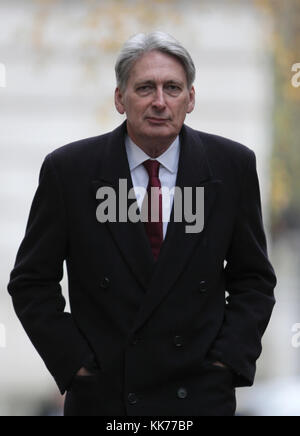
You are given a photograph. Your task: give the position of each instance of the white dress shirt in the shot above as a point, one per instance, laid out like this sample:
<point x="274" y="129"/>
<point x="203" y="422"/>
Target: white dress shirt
<point x="167" y="174"/>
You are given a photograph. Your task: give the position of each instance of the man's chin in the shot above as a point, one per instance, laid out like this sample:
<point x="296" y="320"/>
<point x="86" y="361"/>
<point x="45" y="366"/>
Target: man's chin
<point x="159" y="131"/>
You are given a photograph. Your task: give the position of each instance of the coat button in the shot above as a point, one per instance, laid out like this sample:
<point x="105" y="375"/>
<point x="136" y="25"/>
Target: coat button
<point x="182" y="393"/>
<point x="178" y="341"/>
<point x="132" y="398"/>
<point x="202" y="286"/>
<point x="135" y="341"/>
<point x="104" y="283"/>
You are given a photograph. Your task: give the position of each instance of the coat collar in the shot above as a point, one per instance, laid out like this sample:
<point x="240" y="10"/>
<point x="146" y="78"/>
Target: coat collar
<point x="130" y="237"/>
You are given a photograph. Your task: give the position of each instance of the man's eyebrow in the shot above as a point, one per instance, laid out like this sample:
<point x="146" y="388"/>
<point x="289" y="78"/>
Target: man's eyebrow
<point x="152" y="82"/>
<point x="145" y="82"/>
<point x="175" y="82"/>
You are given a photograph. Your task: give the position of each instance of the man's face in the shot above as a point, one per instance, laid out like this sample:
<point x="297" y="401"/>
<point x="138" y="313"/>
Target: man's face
<point x="156" y="99"/>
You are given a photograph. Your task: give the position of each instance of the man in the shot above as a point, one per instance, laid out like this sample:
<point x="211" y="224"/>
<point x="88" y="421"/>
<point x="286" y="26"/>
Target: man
<point x="150" y="331"/>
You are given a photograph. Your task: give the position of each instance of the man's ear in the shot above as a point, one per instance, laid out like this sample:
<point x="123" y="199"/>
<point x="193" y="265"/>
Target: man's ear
<point x="119" y="101"/>
<point x="191" y="104"/>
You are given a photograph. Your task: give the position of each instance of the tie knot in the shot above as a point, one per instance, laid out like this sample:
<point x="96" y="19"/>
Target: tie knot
<point x="152" y="166"/>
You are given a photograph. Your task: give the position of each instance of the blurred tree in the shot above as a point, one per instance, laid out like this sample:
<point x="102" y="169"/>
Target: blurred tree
<point x="285" y="43"/>
<point x="105" y="24"/>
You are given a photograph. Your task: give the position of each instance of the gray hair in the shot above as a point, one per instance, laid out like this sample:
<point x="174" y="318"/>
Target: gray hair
<point x="140" y="44"/>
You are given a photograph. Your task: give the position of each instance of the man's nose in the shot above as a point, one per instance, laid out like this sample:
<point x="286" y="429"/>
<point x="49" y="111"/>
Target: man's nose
<point x="159" y="99"/>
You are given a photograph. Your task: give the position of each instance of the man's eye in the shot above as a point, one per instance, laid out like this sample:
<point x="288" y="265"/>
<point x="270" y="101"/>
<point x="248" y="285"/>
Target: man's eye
<point x="173" y="87"/>
<point x="144" y="88"/>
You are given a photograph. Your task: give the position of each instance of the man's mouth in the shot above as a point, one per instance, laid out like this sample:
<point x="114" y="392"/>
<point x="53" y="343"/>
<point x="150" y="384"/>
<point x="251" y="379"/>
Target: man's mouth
<point x="156" y="120"/>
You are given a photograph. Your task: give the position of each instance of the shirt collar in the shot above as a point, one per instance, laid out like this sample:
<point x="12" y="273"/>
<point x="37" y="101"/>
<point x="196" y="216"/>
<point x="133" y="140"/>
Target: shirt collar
<point x="136" y="156"/>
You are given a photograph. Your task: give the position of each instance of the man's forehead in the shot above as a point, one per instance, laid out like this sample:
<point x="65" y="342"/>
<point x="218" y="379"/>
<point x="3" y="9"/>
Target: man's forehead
<point x="154" y="65"/>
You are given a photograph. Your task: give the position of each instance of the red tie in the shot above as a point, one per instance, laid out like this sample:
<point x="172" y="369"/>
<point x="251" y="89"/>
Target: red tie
<point x="154" y="228"/>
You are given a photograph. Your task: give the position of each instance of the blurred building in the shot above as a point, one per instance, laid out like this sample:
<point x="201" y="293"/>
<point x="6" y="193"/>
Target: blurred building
<point x="59" y="59"/>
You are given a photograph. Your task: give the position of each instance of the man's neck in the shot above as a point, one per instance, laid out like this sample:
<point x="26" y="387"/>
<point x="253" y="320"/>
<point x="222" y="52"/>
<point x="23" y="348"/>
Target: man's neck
<point x="153" y="147"/>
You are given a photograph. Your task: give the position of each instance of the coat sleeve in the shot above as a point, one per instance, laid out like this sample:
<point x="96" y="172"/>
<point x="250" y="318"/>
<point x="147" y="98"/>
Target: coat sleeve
<point x="35" y="282"/>
<point x="250" y="282"/>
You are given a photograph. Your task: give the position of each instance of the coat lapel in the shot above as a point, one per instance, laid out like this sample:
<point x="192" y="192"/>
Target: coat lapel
<point x="157" y="278"/>
<point x="130" y="237"/>
<point x="178" y="246"/>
